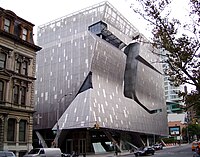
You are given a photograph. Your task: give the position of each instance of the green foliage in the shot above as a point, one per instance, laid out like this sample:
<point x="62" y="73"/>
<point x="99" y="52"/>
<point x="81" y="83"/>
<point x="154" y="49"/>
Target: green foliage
<point x="194" y="129"/>
<point x="169" y="140"/>
<point x="180" y="42"/>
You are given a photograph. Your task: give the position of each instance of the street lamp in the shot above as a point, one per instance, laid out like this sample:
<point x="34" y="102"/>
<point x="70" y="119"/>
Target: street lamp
<point x="57" y="118"/>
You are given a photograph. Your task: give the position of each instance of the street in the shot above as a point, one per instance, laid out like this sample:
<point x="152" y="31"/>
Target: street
<point x="177" y="151"/>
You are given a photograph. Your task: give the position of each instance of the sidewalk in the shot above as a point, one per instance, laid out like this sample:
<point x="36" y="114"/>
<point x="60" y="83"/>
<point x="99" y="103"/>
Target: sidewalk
<point x="108" y="154"/>
<point x="175" y="145"/>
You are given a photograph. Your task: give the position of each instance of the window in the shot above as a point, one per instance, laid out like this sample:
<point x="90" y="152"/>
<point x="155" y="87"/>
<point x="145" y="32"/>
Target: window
<point x="18" y="67"/>
<point x="1" y="90"/>
<point x="7" y="25"/>
<point x="24" y="34"/>
<point x="174" y="96"/>
<point x="16" y="94"/>
<point x="98" y="27"/>
<point x="22" y="130"/>
<point x="2" y="60"/>
<point x="165" y="83"/>
<point x="25" y="68"/>
<point x="11" y="129"/>
<point x="23" y="95"/>
<point x="175" y="106"/>
<point x="21" y="64"/>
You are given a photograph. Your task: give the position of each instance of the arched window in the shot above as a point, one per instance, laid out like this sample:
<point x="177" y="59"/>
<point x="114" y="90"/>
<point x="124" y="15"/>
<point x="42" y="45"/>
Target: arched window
<point x="22" y="130"/>
<point x="11" y="129"/>
<point x="1" y="90"/>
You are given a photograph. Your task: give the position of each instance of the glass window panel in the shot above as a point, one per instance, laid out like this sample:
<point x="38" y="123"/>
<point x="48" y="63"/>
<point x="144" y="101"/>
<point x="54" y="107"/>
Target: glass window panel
<point x="1" y="90"/>
<point x="22" y="130"/>
<point x="23" y="95"/>
<point x="7" y="25"/>
<point x="25" y="68"/>
<point x="24" y="34"/>
<point x="18" y="67"/>
<point x="16" y="94"/>
<point x="11" y="130"/>
<point x="2" y="60"/>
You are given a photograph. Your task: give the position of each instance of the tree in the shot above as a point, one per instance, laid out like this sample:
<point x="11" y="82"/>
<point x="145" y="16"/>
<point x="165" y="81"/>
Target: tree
<point x="179" y="40"/>
<point x="194" y="129"/>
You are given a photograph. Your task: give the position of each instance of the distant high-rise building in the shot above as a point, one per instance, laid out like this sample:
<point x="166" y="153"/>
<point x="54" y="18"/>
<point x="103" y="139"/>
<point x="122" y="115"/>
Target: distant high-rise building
<point x="173" y="100"/>
<point x="171" y="92"/>
<point x="17" y="77"/>
<point x="97" y="84"/>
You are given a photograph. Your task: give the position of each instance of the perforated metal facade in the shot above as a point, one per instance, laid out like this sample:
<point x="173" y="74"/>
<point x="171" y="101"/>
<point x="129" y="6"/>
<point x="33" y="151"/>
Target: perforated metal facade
<point x="116" y="87"/>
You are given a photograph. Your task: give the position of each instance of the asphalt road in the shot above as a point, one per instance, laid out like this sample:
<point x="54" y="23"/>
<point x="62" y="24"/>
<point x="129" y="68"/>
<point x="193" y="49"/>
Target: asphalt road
<point x="177" y="151"/>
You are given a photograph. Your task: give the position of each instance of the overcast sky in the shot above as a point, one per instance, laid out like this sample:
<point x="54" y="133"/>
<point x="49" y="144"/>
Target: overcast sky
<point x="40" y="12"/>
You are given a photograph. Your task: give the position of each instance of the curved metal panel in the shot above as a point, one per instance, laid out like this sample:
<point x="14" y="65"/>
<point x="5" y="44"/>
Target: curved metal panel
<point x="70" y="53"/>
<point x="106" y="102"/>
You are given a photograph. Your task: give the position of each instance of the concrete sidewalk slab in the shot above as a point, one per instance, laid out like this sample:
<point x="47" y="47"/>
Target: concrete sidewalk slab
<point x="108" y="154"/>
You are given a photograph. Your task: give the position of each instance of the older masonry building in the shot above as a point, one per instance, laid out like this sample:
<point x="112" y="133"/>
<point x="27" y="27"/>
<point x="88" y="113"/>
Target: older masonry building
<point x="17" y="77"/>
<point x="97" y="84"/>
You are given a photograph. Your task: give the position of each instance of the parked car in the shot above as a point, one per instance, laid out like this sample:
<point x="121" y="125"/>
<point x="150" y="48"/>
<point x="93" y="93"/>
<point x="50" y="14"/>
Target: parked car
<point x="158" y="146"/>
<point x="47" y="152"/>
<point x="144" y="151"/>
<point x="65" y="155"/>
<point x="74" y="154"/>
<point x="7" y="153"/>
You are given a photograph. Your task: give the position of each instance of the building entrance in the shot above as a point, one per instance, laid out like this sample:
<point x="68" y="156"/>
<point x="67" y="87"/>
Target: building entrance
<point x="69" y="146"/>
<point x="78" y="146"/>
<point x="82" y="146"/>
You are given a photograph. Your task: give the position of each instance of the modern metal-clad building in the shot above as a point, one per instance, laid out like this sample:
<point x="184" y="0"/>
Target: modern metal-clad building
<point x="97" y="82"/>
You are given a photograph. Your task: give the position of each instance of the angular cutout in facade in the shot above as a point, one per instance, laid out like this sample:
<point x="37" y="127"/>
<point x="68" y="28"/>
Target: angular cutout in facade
<point x="87" y="84"/>
<point x="100" y="29"/>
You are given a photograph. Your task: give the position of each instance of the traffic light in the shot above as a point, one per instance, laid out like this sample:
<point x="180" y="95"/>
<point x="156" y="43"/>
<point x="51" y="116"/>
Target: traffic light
<point x="96" y="126"/>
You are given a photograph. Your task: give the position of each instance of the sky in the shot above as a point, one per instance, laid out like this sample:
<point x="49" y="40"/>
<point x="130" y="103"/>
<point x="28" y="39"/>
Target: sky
<point x="40" y="12"/>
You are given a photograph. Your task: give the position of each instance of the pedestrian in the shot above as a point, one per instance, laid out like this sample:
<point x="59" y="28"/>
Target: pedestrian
<point x="115" y="149"/>
<point x="116" y="152"/>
